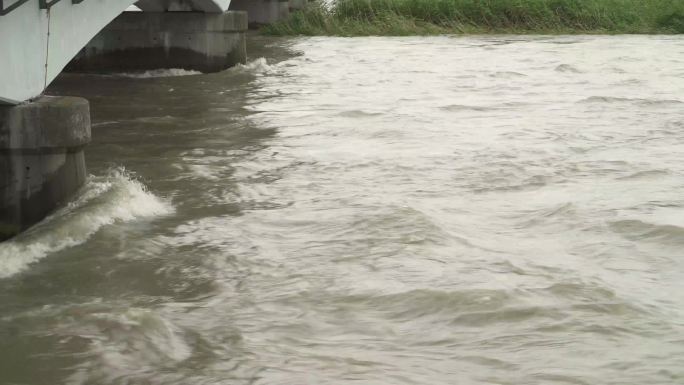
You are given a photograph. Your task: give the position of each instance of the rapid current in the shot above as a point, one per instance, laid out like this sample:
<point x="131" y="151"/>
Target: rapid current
<point x="385" y="211"/>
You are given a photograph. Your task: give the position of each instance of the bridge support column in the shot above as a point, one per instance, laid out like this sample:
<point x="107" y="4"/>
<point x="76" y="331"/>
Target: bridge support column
<point x="41" y="159"/>
<point x="135" y="41"/>
<point x="264" y="11"/>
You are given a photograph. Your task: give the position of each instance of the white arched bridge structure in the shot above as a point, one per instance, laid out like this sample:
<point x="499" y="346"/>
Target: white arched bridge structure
<point x="38" y="38"/>
<point x="42" y="138"/>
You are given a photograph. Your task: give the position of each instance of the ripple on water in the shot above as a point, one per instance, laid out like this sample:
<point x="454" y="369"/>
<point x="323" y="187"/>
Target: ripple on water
<point x="416" y="304"/>
<point x="359" y="114"/>
<point x="637" y="101"/>
<point x="507" y="75"/>
<point x="647" y="174"/>
<point x="130" y="343"/>
<point x="461" y="107"/>
<point x="638" y="230"/>
<point x="567" y="68"/>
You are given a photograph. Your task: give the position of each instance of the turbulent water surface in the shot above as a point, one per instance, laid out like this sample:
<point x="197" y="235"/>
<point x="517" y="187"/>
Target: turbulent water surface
<point x="444" y="210"/>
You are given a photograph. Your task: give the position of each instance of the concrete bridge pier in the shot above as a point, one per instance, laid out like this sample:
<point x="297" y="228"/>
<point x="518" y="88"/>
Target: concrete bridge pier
<point x="263" y="11"/>
<point x="134" y="41"/>
<point x="41" y="158"/>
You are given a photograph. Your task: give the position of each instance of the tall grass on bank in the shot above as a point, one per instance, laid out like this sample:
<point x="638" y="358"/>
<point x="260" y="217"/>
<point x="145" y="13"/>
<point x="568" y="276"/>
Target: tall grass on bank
<point x="424" y="17"/>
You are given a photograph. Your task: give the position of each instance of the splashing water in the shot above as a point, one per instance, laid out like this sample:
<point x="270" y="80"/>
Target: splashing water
<point x="259" y="65"/>
<point x="115" y="197"/>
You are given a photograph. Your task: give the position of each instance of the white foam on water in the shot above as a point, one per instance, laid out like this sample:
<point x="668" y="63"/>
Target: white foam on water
<point x="158" y="73"/>
<point x="132" y="342"/>
<point x="137" y="337"/>
<point x="116" y="197"/>
<point x="257" y="66"/>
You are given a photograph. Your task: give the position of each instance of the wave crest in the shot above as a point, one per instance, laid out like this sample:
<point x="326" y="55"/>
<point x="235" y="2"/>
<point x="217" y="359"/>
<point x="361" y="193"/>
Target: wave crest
<point x="116" y="197"/>
<point x="638" y="101"/>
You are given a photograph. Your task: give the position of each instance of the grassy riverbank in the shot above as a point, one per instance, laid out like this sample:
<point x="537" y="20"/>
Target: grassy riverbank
<point x="425" y="17"/>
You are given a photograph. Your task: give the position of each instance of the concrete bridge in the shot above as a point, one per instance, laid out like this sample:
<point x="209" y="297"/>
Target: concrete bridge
<point x="42" y="138"/>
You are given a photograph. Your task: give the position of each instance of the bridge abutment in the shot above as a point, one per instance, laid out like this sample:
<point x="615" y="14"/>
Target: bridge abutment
<point x="136" y="41"/>
<point x="41" y="159"/>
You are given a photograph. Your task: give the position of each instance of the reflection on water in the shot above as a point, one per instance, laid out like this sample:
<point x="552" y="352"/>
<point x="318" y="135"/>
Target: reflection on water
<point x="482" y="210"/>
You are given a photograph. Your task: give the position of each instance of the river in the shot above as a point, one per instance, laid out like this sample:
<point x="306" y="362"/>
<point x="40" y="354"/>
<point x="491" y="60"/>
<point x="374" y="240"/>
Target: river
<point x="415" y="210"/>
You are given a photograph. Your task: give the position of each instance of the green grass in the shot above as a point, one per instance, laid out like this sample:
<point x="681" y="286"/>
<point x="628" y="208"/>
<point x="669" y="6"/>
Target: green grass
<point x="426" y="17"/>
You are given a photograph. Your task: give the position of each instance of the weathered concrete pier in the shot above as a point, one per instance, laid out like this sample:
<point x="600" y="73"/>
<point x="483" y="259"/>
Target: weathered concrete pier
<point x="207" y="42"/>
<point x="41" y="158"/>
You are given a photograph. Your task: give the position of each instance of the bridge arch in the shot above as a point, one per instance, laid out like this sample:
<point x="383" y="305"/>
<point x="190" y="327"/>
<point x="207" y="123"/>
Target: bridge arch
<point x="38" y="38"/>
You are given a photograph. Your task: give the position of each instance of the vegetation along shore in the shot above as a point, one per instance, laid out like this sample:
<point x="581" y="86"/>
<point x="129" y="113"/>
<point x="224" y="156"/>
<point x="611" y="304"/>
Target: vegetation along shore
<point x="427" y="17"/>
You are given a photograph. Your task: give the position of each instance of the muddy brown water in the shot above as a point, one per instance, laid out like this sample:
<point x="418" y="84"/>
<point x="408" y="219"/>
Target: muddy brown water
<point x="420" y="210"/>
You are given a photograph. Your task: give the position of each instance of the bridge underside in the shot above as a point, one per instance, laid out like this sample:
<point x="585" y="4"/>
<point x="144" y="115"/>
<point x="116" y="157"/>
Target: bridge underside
<point x="212" y="6"/>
